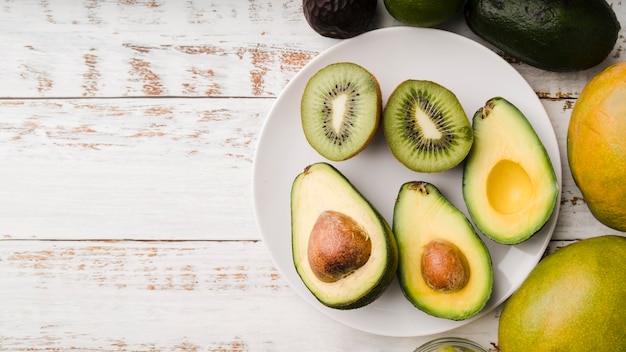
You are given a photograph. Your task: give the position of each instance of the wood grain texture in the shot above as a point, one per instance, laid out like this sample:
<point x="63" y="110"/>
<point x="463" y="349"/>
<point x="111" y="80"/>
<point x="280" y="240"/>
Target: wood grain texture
<point x="128" y="168"/>
<point x="167" y="168"/>
<point x="188" y="48"/>
<point x="171" y="296"/>
<point x="127" y="138"/>
<point x="166" y="296"/>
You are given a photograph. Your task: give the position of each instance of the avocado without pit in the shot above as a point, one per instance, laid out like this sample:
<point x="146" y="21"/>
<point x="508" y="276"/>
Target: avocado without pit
<point x="343" y="249"/>
<point x="509" y="184"/>
<point x="555" y="35"/>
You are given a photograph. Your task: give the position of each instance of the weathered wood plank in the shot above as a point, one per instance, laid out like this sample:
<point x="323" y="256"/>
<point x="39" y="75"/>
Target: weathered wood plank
<point x="168" y="296"/>
<point x="134" y="168"/>
<point x="192" y="48"/>
<point x="153" y="168"/>
<point x="146" y="64"/>
<point x="131" y="15"/>
<point x="86" y="156"/>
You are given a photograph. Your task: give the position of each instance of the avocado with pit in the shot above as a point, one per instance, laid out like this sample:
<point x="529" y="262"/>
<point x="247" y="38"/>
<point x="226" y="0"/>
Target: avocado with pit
<point x="556" y="35"/>
<point x="343" y="249"/>
<point x="445" y="268"/>
<point x="509" y="184"/>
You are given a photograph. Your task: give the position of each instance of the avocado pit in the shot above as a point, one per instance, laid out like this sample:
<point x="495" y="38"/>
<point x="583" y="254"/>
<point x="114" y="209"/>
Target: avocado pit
<point x="444" y="266"/>
<point x="337" y="246"/>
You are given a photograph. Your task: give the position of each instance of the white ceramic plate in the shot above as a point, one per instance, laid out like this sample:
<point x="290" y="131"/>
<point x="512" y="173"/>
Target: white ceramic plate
<point x="475" y="74"/>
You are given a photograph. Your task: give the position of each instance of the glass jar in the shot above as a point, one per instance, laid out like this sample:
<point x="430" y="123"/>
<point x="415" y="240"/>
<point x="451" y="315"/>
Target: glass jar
<point x="453" y="344"/>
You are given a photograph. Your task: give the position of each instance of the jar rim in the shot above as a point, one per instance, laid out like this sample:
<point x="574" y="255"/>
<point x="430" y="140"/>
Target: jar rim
<point x="454" y="341"/>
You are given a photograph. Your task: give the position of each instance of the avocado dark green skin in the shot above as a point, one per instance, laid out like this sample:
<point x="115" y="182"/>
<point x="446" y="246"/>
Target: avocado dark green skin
<point x="339" y="18"/>
<point x="554" y="35"/>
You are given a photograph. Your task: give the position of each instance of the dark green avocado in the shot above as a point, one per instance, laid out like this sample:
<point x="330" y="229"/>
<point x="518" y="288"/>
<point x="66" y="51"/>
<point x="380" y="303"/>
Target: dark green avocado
<point x="555" y="35"/>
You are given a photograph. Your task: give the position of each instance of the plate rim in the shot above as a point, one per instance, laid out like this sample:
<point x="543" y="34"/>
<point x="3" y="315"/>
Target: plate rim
<point x="556" y="163"/>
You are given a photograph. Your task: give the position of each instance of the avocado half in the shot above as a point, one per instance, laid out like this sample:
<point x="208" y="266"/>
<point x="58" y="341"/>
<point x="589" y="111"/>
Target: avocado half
<point x="343" y="249"/>
<point x="445" y="268"/>
<point x="509" y="185"/>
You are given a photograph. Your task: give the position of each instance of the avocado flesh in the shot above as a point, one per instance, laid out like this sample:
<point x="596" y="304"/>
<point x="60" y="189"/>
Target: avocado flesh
<point x="509" y="184"/>
<point x="322" y="188"/>
<point x="422" y="215"/>
<point x="558" y="35"/>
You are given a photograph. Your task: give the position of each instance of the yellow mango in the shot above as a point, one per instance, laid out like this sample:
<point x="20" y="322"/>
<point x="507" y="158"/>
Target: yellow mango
<point x="574" y="300"/>
<point x="596" y="145"/>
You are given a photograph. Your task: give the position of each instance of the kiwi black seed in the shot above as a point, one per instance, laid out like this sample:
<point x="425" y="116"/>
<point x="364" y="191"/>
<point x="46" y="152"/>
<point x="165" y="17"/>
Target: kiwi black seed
<point x="426" y="127"/>
<point x="341" y="108"/>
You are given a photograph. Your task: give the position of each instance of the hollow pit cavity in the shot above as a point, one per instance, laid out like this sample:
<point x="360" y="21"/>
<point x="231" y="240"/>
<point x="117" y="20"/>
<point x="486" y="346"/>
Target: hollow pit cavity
<point x="509" y="188"/>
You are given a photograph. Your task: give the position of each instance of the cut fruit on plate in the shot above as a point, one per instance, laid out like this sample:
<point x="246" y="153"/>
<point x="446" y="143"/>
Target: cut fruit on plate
<point x="340" y="110"/>
<point x="426" y="127"/>
<point x="283" y="152"/>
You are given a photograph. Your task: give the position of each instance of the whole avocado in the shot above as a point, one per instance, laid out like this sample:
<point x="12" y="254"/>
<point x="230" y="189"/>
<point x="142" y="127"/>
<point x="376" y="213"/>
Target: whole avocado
<point x="555" y="35"/>
<point x="339" y="18"/>
<point x="574" y="300"/>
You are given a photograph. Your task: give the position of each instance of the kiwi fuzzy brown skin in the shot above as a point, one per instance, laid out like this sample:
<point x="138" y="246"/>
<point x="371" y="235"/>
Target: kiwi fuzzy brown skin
<point x="426" y="127"/>
<point x="341" y="109"/>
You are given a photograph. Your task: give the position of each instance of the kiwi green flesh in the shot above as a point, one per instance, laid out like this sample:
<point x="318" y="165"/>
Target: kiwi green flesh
<point x="426" y="126"/>
<point x="340" y="110"/>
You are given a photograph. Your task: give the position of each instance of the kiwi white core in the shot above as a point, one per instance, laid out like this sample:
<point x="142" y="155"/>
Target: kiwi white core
<point x="339" y="110"/>
<point x="429" y="129"/>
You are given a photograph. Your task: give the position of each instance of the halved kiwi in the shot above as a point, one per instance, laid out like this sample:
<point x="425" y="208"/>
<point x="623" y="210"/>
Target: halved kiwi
<point x="426" y="127"/>
<point x="340" y="109"/>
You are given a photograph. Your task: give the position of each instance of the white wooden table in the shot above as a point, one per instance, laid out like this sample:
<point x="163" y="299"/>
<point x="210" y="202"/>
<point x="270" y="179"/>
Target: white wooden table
<point x="127" y="138"/>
